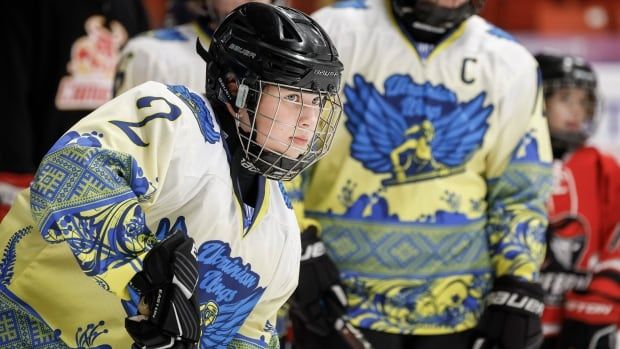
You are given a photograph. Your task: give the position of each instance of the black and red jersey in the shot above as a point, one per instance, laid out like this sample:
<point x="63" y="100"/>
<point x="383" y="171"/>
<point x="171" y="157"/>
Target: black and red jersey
<point x="583" y="242"/>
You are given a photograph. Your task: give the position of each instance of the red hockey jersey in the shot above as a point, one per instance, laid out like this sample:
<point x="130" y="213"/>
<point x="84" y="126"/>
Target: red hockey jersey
<point x="583" y="242"/>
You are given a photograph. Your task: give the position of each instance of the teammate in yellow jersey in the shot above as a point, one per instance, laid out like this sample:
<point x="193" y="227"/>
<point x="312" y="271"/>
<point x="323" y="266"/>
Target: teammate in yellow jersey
<point x="432" y="201"/>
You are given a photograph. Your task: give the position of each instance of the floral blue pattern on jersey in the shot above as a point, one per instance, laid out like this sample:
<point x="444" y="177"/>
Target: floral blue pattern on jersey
<point x="20" y="325"/>
<point x="200" y="110"/>
<point x="21" y="329"/>
<point x="228" y="291"/>
<point x="17" y="319"/>
<point x="414" y="131"/>
<point x="168" y="34"/>
<point x="86" y="337"/>
<point x="8" y="256"/>
<point x="89" y="197"/>
<point x="524" y="187"/>
<point x="375" y="207"/>
<point x="164" y="229"/>
<point x="448" y="305"/>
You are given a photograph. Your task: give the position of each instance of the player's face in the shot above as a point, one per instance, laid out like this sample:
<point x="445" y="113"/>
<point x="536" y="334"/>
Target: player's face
<point x="568" y="108"/>
<point x="223" y="7"/>
<point x="286" y="120"/>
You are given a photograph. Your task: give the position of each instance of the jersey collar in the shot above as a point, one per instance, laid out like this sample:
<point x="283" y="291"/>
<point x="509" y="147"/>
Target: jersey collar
<point x="448" y="39"/>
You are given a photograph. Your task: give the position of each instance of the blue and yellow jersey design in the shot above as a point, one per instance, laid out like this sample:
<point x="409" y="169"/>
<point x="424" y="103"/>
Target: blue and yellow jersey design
<point x="147" y="163"/>
<point x="437" y="180"/>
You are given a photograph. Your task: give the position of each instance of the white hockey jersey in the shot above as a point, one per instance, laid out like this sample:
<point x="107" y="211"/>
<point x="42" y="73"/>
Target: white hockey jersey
<point x="438" y="178"/>
<point x="164" y="55"/>
<point x="146" y="163"/>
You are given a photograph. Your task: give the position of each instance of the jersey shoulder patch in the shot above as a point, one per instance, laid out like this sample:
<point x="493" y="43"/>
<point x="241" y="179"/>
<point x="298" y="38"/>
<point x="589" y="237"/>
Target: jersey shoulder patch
<point x="199" y="107"/>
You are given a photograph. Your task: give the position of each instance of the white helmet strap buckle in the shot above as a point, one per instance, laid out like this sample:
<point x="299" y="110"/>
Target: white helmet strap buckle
<point x="242" y="95"/>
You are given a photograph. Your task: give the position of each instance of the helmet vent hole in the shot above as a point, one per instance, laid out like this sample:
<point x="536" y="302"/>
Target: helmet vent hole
<point x="289" y="32"/>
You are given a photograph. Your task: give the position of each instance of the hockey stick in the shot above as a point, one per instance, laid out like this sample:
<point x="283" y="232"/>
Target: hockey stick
<point x="354" y="338"/>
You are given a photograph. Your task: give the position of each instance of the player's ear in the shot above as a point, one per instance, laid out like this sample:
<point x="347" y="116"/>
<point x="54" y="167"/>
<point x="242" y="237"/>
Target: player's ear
<point x="232" y="83"/>
<point x="233" y="88"/>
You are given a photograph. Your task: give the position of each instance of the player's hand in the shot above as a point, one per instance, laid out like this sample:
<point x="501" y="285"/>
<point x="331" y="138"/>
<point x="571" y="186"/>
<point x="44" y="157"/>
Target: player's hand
<point x="511" y="319"/>
<point x="169" y="313"/>
<point x="319" y="300"/>
<point x="589" y="322"/>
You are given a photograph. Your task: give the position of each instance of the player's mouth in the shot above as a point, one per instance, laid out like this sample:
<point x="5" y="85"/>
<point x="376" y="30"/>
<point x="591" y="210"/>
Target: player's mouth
<point x="301" y="141"/>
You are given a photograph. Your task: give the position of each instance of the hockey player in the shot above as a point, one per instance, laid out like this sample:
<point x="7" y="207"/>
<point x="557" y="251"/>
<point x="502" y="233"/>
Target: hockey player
<point x="169" y="55"/>
<point x="98" y="252"/>
<point x="581" y="273"/>
<point x="432" y="202"/>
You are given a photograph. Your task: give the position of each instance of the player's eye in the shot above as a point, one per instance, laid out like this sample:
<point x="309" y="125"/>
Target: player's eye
<point x="293" y="97"/>
<point x="317" y="100"/>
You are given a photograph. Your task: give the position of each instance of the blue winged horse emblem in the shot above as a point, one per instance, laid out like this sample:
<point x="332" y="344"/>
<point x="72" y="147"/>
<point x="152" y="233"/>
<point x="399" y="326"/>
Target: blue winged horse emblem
<point x="414" y="131"/>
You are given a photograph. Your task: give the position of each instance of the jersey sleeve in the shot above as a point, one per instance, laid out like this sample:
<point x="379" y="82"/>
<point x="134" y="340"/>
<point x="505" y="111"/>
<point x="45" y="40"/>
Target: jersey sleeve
<point x="519" y="177"/>
<point x="606" y="276"/>
<point x="138" y="64"/>
<point x="94" y="186"/>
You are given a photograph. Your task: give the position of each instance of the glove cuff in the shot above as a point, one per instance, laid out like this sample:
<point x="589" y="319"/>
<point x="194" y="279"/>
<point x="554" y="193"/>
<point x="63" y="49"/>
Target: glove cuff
<point x="591" y="308"/>
<point x="311" y="245"/>
<point x="517" y="296"/>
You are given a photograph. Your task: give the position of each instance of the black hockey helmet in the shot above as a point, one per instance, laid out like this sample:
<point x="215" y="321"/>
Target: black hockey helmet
<point x="429" y="21"/>
<point x="262" y="44"/>
<point x="275" y="44"/>
<point x="565" y="71"/>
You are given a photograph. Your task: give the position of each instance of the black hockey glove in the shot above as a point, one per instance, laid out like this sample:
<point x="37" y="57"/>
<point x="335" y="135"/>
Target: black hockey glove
<point x="319" y="300"/>
<point x="170" y="316"/>
<point x="511" y="319"/>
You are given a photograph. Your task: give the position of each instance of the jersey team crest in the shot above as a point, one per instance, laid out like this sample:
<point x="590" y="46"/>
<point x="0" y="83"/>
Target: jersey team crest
<point x="414" y="131"/>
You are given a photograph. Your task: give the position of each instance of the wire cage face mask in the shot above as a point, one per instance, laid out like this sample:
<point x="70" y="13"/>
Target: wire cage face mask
<point x="285" y="129"/>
